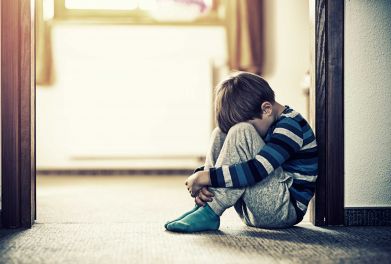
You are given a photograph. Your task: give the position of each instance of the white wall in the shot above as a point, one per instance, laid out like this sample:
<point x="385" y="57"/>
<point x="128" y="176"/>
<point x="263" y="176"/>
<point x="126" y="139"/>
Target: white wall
<point x="367" y="103"/>
<point x="68" y="129"/>
<point x="287" y="50"/>
<point x="127" y="91"/>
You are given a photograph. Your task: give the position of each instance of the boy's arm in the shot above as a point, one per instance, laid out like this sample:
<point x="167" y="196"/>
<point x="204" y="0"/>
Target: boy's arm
<point x="286" y="139"/>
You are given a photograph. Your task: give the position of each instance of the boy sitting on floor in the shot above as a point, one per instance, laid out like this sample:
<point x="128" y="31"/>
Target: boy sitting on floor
<point x="262" y="160"/>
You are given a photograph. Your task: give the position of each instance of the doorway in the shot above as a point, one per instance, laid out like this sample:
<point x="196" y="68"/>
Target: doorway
<point x="320" y="16"/>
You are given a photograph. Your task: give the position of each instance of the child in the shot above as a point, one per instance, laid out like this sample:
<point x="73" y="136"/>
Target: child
<point x="262" y="160"/>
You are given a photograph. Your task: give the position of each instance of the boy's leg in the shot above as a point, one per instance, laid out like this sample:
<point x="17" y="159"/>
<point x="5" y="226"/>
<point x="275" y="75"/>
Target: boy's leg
<point x="216" y="143"/>
<point x="267" y="204"/>
<point x="241" y="144"/>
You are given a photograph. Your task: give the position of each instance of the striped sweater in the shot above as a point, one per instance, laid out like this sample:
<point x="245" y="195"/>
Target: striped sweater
<point x="289" y="143"/>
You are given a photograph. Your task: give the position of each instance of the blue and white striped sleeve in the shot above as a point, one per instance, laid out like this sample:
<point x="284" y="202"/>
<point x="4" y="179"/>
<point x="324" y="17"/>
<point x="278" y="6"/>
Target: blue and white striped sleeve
<point x="286" y="139"/>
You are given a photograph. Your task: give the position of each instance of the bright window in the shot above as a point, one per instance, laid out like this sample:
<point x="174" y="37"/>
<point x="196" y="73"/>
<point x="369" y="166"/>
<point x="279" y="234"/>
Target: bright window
<point x="201" y="5"/>
<point x="102" y="4"/>
<point x="154" y="10"/>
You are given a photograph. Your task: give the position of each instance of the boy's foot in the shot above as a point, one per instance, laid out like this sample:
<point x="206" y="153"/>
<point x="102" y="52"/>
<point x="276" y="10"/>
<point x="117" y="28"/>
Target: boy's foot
<point x="203" y="219"/>
<point x="182" y="216"/>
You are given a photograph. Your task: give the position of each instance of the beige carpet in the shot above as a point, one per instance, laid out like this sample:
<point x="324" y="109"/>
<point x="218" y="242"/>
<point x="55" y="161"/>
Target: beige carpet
<point x="120" y="220"/>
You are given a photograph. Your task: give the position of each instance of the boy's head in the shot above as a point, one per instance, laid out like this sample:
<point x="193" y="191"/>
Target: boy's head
<point x="241" y="98"/>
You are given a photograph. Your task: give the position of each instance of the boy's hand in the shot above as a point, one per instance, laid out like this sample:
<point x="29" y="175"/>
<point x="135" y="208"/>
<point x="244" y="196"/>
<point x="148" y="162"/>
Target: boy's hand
<point x="204" y="196"/>
<point x="196" y="181"/>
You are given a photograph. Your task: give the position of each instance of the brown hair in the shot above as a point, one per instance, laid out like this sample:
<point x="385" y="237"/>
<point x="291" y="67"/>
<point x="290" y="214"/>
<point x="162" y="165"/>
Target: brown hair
<point x="239" y="99"/>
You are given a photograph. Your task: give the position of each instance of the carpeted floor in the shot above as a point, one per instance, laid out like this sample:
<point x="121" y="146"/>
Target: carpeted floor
<point x="120" y="220"/>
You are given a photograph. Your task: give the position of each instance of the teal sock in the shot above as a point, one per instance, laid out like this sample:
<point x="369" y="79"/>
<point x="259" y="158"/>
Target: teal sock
<point x="182" y="216"/>
<point x="203" y="219"/>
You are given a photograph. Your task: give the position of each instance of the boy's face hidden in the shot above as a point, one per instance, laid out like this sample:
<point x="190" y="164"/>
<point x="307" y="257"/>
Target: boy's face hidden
<point x="268" y="117"/>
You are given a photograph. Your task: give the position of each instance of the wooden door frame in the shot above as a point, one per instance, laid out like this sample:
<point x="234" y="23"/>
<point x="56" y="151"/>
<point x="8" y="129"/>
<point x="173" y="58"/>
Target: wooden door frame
<point x="329" y="105"/>
<point x="18" y="113"/>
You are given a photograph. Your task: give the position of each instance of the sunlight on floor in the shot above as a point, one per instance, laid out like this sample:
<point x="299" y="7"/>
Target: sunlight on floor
<point x="112" y="199"/>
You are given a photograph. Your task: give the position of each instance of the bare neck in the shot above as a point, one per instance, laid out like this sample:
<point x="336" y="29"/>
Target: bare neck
<point x="278" y="109"/>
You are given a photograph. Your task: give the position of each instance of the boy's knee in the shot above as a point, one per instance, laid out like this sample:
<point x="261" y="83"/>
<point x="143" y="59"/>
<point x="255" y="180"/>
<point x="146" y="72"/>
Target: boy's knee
<point x="217" y="132"/>
<point x="242" y="128"/>
<point x="218" y="135"/>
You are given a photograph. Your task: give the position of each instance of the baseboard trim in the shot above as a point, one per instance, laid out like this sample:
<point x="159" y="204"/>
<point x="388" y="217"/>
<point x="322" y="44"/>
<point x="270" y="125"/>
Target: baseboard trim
<point x="367" y="216"/>
<point x="97" y="172"/>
